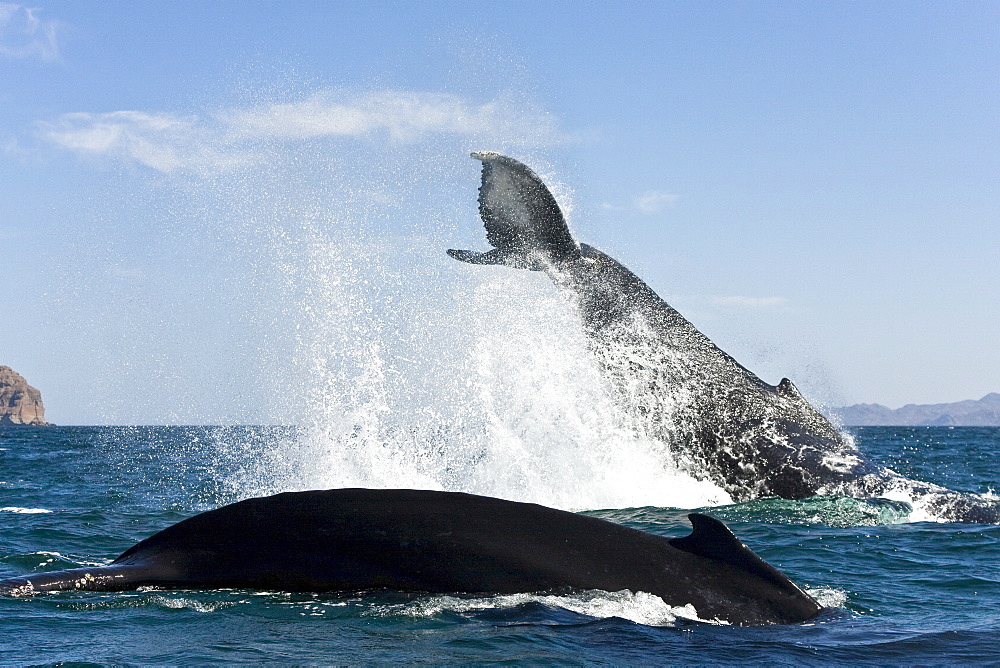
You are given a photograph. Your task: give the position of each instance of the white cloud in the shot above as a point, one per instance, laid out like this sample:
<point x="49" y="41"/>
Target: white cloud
<point x="751" y="302"/>
<point x="23" y="34"/>
<point x="406" y="116"/>
<point x="654" y="200"/>
<point x="650" y="201"/>
<point x="165" y="142"/>
<point x="168" y="142"/>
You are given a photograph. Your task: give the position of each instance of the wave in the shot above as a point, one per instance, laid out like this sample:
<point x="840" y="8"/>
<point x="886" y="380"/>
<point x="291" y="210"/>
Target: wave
<point x="24" y="511"/>
<point x="638" y="607"/>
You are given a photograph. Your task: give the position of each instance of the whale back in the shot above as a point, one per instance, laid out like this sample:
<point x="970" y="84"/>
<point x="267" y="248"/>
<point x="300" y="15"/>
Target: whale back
<point x="441" y="542"/>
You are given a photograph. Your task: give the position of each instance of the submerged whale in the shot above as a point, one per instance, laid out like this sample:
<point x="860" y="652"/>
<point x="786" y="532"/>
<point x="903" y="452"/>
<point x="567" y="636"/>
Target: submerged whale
<point x="441" y="542"/>
<point x="720" y="421"/>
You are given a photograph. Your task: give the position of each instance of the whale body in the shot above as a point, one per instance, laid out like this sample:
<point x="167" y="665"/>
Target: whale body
<point x="720" y="421"/>
<point x="351" y="540"/>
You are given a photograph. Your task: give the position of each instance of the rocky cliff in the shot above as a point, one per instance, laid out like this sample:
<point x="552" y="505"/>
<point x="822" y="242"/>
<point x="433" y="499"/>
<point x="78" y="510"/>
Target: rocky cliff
<point x="20" y="403"/>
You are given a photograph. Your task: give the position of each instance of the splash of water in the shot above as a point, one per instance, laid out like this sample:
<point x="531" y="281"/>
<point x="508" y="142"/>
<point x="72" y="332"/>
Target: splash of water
<point x="639" y="607"/>
<point x="292" y="271"/>
<point x="415" y="373"/>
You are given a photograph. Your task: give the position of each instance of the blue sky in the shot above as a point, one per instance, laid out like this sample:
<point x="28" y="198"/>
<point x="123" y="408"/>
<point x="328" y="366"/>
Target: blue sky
<point x="815" y="185"/>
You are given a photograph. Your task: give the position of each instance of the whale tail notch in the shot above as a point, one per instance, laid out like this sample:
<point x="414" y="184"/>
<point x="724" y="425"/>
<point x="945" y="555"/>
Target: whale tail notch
<point x="524" y="223"/>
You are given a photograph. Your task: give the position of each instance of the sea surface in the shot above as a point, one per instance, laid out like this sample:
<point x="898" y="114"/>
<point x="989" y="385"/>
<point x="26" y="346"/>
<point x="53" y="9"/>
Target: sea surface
<point x="899" y="591"/>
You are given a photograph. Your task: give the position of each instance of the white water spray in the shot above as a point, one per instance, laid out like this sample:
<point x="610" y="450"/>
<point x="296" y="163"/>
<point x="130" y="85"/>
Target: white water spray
<point x="416" y="372"/>
<point x="299" y="278"/>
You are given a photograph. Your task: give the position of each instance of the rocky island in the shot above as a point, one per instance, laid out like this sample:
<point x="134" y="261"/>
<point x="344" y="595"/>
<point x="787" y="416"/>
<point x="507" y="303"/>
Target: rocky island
<point x="20" y="403"/>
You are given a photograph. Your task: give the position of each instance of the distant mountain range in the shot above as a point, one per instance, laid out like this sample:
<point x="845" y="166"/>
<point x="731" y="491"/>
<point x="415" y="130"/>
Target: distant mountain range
<point x="969" y="413"/>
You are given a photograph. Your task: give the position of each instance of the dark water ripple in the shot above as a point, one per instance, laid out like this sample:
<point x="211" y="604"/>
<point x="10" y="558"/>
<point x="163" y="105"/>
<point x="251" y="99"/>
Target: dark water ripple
<point x="903" y="592"/>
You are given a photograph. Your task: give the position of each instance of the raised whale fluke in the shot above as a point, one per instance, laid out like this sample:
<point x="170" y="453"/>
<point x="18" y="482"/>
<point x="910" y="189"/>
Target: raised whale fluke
<point x="351" y="540"/>
<point x="524" y="224"/>
<point x="720" y="420"/>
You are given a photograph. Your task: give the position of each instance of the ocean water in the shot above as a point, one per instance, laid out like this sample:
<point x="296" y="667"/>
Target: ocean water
<point x="899" y="591"/>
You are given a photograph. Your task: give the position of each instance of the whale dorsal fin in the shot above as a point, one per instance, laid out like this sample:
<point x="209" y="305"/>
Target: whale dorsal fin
<point x="523" y="221"/>
<point x="712" y="539"/>
<point x="787" y="388"/>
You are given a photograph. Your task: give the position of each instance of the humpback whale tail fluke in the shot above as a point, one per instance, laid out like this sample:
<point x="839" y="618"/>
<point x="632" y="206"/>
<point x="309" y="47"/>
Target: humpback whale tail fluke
<point x="524" y="224"/>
